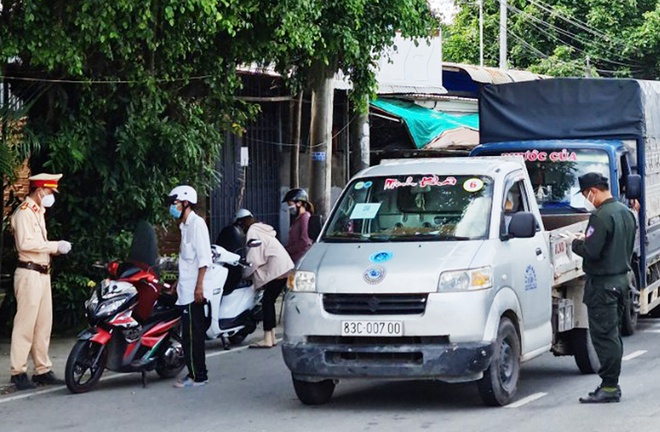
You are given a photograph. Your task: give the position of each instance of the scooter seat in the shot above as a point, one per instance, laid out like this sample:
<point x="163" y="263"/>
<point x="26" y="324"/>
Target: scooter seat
<point x="163" y="313"/>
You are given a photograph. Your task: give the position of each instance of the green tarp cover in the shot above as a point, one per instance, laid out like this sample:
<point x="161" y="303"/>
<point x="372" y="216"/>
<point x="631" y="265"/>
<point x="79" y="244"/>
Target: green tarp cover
<point x="425" y="124"/>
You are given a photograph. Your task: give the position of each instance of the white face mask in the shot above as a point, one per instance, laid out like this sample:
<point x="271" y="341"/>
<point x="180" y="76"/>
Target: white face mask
<point x="48" y="200"/>
<point x="588" y="204"/>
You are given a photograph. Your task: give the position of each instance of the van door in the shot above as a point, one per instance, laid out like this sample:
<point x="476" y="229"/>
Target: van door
<point x="530" y="269"/>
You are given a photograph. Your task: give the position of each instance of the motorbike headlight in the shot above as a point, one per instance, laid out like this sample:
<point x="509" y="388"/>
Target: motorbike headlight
<point x="464" y="280"/>
<point x="93" y="301"/>
<point x="302" y="281"/>
<point x="110" y="307"/>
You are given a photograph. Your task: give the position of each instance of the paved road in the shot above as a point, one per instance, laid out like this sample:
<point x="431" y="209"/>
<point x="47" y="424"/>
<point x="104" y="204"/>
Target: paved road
<point x="250" y="390"/>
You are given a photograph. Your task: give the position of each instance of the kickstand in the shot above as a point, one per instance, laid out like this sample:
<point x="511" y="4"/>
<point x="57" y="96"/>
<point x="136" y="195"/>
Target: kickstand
<point x="225" y="342"/>
<point x="144" y="379"/>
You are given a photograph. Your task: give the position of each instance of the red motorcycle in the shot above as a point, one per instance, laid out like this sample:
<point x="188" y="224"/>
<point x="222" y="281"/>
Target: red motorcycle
<point x="134" y="327"/>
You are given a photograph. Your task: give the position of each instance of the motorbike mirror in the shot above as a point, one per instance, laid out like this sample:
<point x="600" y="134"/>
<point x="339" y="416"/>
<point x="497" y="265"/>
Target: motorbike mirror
<point x="254" y="243"/>
<point x="112" y="268"/>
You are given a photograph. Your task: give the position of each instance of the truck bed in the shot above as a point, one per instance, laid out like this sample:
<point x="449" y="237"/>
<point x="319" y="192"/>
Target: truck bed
<point x="567" y="266"/>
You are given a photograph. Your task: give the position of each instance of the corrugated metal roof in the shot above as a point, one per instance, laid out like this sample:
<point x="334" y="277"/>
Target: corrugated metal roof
<point x="385" y="89"/>
<point x="489" y="75"/>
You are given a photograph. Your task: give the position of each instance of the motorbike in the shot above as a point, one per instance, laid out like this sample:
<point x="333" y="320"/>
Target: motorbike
<point x="233" y="312"/>
<point x="134" y="325"/>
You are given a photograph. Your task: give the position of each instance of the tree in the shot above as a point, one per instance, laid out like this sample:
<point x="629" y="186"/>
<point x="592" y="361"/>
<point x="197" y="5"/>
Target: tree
<point x="132" y="98"/>
<point x="348" y="35"/>
<point x="563" y="37"/>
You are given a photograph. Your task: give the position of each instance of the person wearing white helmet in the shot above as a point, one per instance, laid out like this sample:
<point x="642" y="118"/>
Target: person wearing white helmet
<point x="270" y="265"/>
<point x="192" y="292"/>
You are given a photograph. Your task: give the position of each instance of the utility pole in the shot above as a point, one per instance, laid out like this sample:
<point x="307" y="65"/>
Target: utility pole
<point x="503" y="47"/>
<point x="321" y="138"/>
<point x="481" y="33"/>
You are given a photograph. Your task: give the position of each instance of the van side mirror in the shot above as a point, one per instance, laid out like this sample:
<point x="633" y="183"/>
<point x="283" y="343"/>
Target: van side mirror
<point x="633" y="186"/>
<point x="315" y="226"/>
<point x="523" y="225"/>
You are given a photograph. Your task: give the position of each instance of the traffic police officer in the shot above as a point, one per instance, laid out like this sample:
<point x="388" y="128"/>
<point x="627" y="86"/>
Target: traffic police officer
<point x="34" y="314"/>
<point x="607" y="248"/>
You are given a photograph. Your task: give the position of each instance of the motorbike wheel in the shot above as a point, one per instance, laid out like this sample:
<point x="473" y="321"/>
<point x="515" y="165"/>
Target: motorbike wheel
<point x="84" y="366"/>
<point x="237" y="338"/>
<point x="171" y="361"/>
<point x="240" y="335"/>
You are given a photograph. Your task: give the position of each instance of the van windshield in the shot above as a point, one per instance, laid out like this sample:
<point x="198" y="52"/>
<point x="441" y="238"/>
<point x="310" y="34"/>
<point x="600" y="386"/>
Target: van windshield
<point x="413" y="208"/>
<point x="554" y="175"/>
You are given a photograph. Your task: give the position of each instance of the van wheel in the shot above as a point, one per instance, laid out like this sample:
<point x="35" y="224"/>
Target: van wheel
<point x="500" y="381"/>
<point x="585" y="355"/>
<point x="313" y="393"/>
<point x="631" y="312"/>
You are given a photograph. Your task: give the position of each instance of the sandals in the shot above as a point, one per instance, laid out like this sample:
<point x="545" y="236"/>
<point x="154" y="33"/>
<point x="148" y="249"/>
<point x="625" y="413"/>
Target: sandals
<point x="261" y="344"/>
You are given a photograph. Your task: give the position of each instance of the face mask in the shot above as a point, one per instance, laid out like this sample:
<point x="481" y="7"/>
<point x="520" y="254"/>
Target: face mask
<point x="588" y="204"/>
<point x="48" y="200"/>
<point x="293" y="210"/>
<point x="175" y="212"/>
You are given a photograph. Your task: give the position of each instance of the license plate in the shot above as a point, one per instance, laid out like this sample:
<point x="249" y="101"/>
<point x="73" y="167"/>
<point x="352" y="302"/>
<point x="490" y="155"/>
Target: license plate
<point x="371" y="328"/>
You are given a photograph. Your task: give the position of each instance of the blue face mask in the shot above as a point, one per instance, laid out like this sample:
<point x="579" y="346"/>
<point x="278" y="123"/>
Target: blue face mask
<point x="175" y="212"/>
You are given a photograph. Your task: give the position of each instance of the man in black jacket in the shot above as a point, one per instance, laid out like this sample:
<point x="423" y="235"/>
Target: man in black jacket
<point x="607" y="249"/>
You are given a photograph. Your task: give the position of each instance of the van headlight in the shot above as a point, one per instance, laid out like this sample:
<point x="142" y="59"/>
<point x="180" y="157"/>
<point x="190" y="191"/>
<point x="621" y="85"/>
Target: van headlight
<point x="464" y="280"/>
<point x="302" y="281"/>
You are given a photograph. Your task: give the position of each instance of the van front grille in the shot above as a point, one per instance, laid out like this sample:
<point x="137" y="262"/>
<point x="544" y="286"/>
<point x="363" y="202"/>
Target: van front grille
<point x="374" y="304"/>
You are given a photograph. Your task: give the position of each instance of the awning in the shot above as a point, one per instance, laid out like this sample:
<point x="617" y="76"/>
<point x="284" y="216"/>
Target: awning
<point x="425" y="125"/>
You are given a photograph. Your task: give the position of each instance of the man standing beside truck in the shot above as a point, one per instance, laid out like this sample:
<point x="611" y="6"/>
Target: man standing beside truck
<point x="607" y="249"/>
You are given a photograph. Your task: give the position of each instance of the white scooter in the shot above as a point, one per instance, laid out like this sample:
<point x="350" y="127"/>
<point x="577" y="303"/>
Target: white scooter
<point x="235" y="315"/>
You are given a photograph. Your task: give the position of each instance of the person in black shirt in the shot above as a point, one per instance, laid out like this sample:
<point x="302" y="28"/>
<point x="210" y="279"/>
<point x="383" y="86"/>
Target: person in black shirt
<point x="606" y="248"/>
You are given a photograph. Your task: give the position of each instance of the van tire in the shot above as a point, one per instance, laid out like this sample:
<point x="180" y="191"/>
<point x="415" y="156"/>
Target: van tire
<point x="500" y="381"/>
<point x="585" y="355"/>
<point x="631" y="311"/>
<point x="313" y="393"/>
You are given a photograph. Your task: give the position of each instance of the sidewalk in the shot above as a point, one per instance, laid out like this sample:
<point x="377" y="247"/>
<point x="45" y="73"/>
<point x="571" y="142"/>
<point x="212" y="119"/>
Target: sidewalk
<point x="61" y="346"/>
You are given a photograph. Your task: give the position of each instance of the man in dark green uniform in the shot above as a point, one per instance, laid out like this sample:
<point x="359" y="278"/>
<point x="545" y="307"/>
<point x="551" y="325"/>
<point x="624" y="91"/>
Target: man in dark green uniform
<point x="607" y="249"/>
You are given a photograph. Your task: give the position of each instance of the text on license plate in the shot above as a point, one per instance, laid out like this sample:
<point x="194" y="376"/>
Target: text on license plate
<point x="371" y="328"/>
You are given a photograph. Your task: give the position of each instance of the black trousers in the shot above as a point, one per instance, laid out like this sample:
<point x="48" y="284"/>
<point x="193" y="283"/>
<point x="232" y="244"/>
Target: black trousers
<point x="271" y="291"/>
<point x="194" y="335"/>
<point x="606" y="300"/>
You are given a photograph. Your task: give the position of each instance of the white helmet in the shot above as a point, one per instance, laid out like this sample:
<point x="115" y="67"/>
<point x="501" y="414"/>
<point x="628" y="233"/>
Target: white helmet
<point x="242" y="213"/>
<point x="183" y="193"/>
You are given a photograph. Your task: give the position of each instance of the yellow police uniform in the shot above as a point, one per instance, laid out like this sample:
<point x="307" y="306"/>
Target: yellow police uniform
<point x="34" y="314"/>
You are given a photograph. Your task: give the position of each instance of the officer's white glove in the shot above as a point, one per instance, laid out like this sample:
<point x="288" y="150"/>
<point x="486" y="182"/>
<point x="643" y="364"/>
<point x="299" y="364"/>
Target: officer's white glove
<point x="63" y="247"/>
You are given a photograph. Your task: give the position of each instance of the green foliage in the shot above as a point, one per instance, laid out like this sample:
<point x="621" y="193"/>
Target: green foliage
<point x="563" y="37"/>
<point x="69" y="294"/>
<point x="132" y="98"/>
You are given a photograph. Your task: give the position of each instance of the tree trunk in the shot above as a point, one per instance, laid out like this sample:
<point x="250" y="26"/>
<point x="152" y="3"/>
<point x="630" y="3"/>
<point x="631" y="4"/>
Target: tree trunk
<point x="359" y="141"/>
<point x="321" y="139"/>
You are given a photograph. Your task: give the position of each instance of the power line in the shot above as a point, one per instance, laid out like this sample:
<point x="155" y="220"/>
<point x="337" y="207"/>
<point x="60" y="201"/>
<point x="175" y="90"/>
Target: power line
<point x="103" y="81"/>
<point x="566" y="33"/>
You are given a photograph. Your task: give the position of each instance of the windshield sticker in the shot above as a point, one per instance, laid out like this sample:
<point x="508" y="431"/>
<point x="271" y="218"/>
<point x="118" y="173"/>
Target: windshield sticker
<point x="362" y="185"/>
<point x="473" y="185"/>
<point x="543" y="156"/>
<point x="365" y="211"/>
<point x="433" y="180"/>
<point x="381" y="257"/>
<point x="531" y="282"/>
